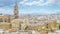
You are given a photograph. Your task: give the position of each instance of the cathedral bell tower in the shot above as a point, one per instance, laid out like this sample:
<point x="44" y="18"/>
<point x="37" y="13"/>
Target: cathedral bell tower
<point x="16" y="11"/>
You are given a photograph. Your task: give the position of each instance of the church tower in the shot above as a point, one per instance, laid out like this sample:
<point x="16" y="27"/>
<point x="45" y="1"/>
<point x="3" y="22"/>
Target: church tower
<point x="16" y="11"/>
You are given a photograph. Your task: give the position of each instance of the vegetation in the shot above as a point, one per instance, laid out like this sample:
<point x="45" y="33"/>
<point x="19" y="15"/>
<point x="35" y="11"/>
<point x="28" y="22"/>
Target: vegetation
<point x="59" y="26"/>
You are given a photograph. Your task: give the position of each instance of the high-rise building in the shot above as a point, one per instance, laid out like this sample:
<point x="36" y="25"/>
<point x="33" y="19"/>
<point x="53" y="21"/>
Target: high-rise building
<point x="16" y="11"/>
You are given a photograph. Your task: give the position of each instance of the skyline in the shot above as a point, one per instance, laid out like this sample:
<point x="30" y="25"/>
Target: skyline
<point x="31" y="6"/>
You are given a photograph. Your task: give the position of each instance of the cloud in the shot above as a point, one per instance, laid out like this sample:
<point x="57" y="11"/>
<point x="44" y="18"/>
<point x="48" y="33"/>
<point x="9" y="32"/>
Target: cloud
<point x="40" y="12"/>
<point x="58" y="2"/>
<point x="6" y="11"/>
<point x="31" y="3"/>
<point x="40" y="2"/>
<point x="25" y="12"/>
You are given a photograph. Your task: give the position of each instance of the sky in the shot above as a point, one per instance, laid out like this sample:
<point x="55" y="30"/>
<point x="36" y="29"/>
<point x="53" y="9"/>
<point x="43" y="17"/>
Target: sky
<point x="30" y="6"/>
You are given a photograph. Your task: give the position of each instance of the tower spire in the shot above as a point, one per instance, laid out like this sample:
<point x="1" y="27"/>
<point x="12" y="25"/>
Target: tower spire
<point x="16" y="10"/>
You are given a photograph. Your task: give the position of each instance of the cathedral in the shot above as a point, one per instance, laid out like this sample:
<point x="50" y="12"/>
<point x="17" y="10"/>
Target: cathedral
<point x="6" y="19"/>
<point x="13" y="21"/>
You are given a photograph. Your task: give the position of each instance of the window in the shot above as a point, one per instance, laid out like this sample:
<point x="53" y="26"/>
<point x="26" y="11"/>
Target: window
<point x="21" y="22"/>
<point x="1" y="20"/>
